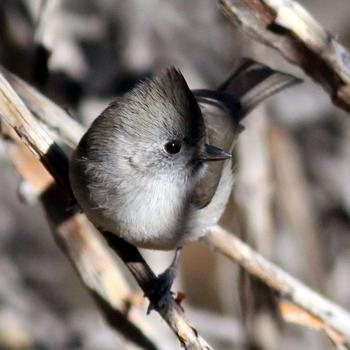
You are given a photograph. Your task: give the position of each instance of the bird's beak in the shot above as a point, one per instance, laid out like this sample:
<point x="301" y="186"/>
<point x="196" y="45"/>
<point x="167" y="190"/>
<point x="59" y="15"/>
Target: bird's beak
<point x="213" y="153"/>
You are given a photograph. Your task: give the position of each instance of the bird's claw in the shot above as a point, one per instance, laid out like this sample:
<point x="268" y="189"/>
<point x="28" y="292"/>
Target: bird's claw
<point x="160" y="289"/>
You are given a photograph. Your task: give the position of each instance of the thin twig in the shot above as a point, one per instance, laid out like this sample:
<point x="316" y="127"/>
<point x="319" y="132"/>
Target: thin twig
<point x="47" y="112"/>
<point x="82" y="244"/>
<point x="287" y="286"/>
<point x="169" y="309"/>
<point x="287" y="27"/>
<point x="294" y="202"/>
<point x="253" y="190"/>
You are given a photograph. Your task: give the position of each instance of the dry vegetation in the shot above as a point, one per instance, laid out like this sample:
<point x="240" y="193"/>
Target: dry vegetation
<point x="290" y="201"/>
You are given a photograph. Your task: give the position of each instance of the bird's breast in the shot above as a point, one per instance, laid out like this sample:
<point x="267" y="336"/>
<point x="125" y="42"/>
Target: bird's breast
<point x="153" y="215"/>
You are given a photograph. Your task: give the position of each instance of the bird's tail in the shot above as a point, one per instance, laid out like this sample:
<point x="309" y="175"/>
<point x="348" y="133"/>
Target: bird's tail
<point x="252" y="82"/>
<point x="249" y="84"/>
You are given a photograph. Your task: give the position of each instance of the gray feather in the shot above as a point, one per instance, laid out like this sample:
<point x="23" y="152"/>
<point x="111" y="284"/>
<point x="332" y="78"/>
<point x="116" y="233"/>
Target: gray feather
<point x="249" y="84"/>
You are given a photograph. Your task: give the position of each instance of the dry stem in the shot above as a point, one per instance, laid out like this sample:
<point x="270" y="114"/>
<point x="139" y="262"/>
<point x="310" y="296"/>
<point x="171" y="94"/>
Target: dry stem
<point x="287" y="286"/>
<point x="287" y="27"/>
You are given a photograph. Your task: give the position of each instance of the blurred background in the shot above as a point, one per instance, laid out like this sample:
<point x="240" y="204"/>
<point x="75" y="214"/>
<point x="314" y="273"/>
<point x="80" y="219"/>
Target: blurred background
<point x="291" y="199"/>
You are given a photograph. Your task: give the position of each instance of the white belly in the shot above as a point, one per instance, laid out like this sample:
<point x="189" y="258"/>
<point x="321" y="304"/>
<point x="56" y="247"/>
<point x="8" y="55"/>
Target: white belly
<point x="153" y="216"/>
<point x="164" y="218"/>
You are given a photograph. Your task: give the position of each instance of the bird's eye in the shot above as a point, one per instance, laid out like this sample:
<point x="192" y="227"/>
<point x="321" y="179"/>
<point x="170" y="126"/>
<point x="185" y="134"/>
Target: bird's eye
<point x="172" y="147"/>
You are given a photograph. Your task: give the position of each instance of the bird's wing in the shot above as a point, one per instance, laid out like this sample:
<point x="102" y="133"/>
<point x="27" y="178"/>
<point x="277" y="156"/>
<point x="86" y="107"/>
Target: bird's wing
<point x="249" y="84"/>
<point x="221" y="132"/>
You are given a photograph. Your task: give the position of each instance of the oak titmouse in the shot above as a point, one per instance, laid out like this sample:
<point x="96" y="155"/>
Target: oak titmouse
<point x="155" y="167"/>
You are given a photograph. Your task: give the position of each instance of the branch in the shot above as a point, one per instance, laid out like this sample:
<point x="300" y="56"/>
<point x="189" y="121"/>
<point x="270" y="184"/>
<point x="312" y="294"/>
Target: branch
<point x="50" y="116"/>
<point x="169" y="309"/>
<point x="287" y="27"/>
<point x="81" y="243"/>
<point x="334" y="317"/>
<point x="37" y="139"/>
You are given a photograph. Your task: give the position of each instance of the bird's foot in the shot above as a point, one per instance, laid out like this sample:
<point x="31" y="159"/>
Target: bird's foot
<point x="161" y="286"/>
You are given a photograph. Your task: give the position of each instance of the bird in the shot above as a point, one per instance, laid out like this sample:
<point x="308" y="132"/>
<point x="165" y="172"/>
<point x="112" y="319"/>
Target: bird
<point x="155" y="167"/>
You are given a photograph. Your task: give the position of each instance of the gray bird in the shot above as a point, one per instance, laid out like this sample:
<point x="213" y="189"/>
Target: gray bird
<point x="155" y="167"/>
